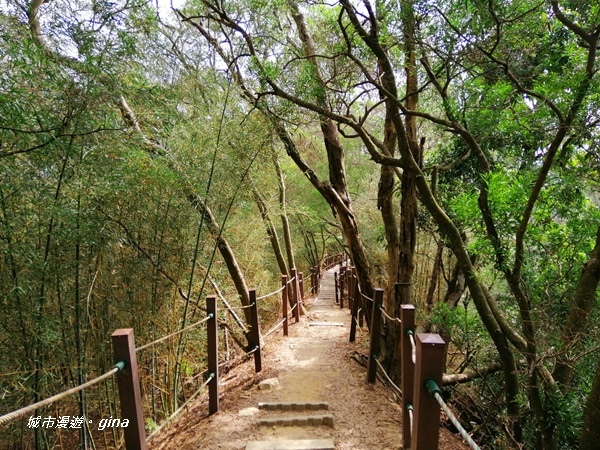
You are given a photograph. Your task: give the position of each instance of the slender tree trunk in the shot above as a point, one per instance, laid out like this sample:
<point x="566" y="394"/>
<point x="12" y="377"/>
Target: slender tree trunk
<point x="270" y="228"/>
<point x="285" y="223"/>
<point x="226" y="253"/>
<point x="435" y="274"/>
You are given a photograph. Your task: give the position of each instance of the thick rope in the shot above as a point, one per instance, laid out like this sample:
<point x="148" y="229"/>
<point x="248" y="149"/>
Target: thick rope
<point x="272" y="293"/>
<point x="365" y="296"/>
<point x="23" y="411"/>
<point x="168" y="336"/>
<point x="413" y="345"/>
<point x="176" y="413"/>
<point x="277" y="325"/>
<point x="251" y="351"/>
<point x="237" y="308"/>
<point x="434" y="390"/>
<point x="393" y="319"/>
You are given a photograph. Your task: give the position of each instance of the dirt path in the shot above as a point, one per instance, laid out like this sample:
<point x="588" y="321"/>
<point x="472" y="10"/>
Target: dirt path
<point x="313" y="364"/>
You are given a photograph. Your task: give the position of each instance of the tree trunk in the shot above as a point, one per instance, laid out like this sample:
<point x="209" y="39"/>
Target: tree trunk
<point x="198" y="204"/>
<point x="270" y="228"/>
<point x="590" y="435"/>
<point x="285" y="223"/>
<point x="576" y="322"/>
<point x="338" y="198"/>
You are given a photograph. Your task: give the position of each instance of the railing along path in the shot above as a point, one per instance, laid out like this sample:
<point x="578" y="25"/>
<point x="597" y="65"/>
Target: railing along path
<point x="126" y="370"/>
<point x="422" y="359"/>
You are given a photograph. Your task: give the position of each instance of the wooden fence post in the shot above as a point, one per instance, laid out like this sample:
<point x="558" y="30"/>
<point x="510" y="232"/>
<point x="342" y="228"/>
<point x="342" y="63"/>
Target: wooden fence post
<point x="407" y="369"/>
<point x="212" y="335"/>
<point x="342" y="280"/>
<point x="128" y="383"/>
<point x="375" y="338"/>
<point x="301" y="282"/>
<point x="430" y="365"/>
<point x="295" y="295"/>
<point x="284" y="304"/>
<point x="352" y="289"/>
<point x="354" y="308"/>
<point x="335" y="279"/>
<point x="255" y="331"/>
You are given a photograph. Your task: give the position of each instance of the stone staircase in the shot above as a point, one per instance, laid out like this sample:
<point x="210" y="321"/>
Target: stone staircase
<point x="282" y="414"/>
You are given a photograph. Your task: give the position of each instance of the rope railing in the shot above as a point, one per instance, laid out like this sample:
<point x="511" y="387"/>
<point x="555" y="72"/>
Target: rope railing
<point x="413" y="345"/>
<point x="168" y="336"/>
<point x="255" y="349"/>
<point x="275" y="328"/>
<point x="239" y="308"/>
<point x="125" y="350"/>
<point x="366" y="297"/>
<point x="50" y="400"/>
<point x="391" y="319"/>
<point x="435" y="391"/>
<point x="411" y="416"/>
<point x="277" y="291"/>
<point x="422" y="362"/>
<point x="169" y="419"/>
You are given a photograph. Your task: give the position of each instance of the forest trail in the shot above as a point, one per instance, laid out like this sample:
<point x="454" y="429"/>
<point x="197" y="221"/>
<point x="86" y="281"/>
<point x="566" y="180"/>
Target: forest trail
<point x="314" y="364"/>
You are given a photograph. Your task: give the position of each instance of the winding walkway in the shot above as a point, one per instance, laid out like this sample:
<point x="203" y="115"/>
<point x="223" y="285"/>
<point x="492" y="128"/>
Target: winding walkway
<point x="314" y="368"/>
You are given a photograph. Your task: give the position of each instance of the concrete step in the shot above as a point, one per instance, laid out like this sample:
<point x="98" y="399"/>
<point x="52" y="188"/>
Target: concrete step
<point x="291" y="421"/>
<point x="302" y="444"/>
<point x="292" y="406"/>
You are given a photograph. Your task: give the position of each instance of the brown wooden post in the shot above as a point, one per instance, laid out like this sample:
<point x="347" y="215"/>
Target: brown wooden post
<point x="354" y="310"/>
<point x="335" y="279"/>
<point x="128" y="383"/>
<point x="284" y="304"/>
<point x="407" y="368"/>
<point x="212" y="337"/>
<point x="290" y="296"/>
<point x="254" y="331"/>
<point x="375" y="337"/>
<point x="342" y="282"/>
<point x="430" y="365"/>
<point x="352" y="288"/>
<point x="317" y="280"/>
<point x="361" y="312"/>
<point x="301" y="280"/>
<point x="295" y="295"/>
